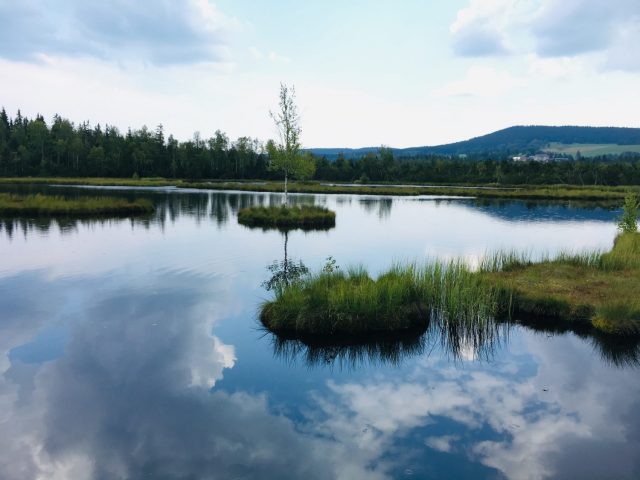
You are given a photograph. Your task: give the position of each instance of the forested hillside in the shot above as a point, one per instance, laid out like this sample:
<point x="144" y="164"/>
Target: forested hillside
<point x="32" y="147"/>
<point x="510" y="141"/>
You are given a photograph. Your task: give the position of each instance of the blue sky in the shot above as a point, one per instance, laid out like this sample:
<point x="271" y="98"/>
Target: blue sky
<point x="366" y="72"/>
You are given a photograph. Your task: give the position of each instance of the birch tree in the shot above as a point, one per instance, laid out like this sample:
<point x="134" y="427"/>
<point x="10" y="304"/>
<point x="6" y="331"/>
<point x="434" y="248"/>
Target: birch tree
<point x="284" y="154"/>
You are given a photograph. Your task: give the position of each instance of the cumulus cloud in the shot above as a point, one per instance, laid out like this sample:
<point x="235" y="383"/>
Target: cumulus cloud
<point x="572" y="27"/>
<point x="551" y="28"/>
<point x="162" y="33"/>
<point x="479" y="29"/>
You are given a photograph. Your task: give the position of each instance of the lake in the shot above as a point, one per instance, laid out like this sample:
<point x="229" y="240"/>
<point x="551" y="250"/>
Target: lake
<point x="131" y="349"/>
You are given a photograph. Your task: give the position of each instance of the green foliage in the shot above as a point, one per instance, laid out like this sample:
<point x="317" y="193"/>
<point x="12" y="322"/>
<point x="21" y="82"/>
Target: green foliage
<point x="629" y="221"/>
<point x="284" y="155"/>
<point x="39" y="204"/>
<point x="304" y="217"/>
<point x="330" y="266"/>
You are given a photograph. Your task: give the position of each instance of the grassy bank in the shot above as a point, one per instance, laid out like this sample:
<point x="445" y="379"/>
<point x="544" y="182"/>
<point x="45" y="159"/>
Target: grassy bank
<point x="11" y="204"/>
<point x="94" y="181"/>
<point x="521" y="192"/>
<point x="596" y="291"/>
<point x="305" y="217"/>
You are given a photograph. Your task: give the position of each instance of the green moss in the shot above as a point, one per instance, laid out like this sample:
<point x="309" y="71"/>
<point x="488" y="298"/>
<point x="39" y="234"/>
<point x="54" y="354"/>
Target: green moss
<point x="50" y="205"/>
<point x="305" y="217"/>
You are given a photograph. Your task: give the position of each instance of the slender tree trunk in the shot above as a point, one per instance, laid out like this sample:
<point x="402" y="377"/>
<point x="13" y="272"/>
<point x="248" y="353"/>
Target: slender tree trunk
<point x="286" y="260"/>
<point x="286" y="193"/>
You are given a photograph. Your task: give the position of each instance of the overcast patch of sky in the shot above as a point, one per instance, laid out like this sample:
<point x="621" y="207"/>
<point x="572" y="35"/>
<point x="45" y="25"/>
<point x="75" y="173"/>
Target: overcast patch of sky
<point x="367" y="72"/>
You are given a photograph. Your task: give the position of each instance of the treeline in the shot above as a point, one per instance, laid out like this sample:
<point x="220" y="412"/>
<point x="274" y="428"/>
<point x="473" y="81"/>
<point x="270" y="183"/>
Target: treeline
<point x="383" y="167"/>
<point x="31" y="147"/>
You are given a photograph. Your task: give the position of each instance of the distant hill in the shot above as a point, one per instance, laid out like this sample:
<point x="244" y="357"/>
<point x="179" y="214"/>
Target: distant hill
<point x="512" y="140"/>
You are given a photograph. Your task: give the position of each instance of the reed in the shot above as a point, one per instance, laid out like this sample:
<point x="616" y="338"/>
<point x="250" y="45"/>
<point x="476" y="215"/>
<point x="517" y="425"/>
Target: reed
<point x="11" y="204"/>
<point x="402" y="299"/>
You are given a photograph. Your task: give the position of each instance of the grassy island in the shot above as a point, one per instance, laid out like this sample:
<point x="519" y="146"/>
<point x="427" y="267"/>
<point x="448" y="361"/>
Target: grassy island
<point x="595" y="291"/>
<point x="11" y="204"/>
<point x="305" y="217"/>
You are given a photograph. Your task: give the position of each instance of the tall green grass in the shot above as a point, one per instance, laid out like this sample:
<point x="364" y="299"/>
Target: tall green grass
<point x="404" y="298"/>
<point x="12" y="204"/>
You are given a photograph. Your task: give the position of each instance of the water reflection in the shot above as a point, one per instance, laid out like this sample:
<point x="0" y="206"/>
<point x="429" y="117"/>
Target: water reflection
<point x="380" y="205"/>
<point x="129" y="350"/>
<point x="614" y="350"/>
<point x="286" y="271"/>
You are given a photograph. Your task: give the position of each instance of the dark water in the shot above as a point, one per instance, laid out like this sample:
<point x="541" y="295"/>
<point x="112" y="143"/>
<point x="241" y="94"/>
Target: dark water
<point x="130" y="349"/>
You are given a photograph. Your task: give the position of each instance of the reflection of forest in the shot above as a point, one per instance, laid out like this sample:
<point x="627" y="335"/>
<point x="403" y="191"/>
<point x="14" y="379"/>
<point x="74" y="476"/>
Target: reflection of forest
<point x="218" y="207"/>
<point x="381" y="206"/>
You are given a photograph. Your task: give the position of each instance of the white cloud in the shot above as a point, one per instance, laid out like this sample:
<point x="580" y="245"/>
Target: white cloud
<point x="481" y="81"/>
<point x="551" y="28"/>
<point x="478" y="28"/>
<point x="162" y="33"/>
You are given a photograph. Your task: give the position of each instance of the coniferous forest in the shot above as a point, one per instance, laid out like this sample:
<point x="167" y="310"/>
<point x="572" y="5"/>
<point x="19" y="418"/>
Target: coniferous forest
<point x="35" y="147"/>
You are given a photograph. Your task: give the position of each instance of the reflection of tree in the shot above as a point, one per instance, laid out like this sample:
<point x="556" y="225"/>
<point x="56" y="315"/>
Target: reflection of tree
<point x="380" y="205"/>
<point x="285" y="272"/>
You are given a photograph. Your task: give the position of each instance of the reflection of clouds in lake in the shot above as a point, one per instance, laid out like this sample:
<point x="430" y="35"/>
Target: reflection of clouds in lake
<point x="572" y="417"/>
<point x="130" y="397"/>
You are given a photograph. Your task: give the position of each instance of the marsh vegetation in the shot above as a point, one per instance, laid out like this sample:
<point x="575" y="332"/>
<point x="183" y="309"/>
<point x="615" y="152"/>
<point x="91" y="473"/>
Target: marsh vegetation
<point x="38" y="204"/>
<point x="287" y="217"/>
<point x="593" y="289"/>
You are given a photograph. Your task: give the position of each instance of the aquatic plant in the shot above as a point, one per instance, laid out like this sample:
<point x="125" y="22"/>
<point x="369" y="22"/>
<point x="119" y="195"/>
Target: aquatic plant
<point x="404" y="298"/>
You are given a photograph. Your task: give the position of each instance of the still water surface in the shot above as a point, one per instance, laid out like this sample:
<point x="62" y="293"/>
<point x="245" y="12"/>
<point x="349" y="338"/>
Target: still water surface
<point x="131" y="349"/>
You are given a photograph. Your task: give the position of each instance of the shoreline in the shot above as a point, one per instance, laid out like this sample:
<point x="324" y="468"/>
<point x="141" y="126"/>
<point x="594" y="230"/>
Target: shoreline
<point x="481" y="191"/>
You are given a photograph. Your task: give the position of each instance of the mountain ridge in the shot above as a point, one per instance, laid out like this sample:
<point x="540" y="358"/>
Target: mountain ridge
<point x="512" y="140"/>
